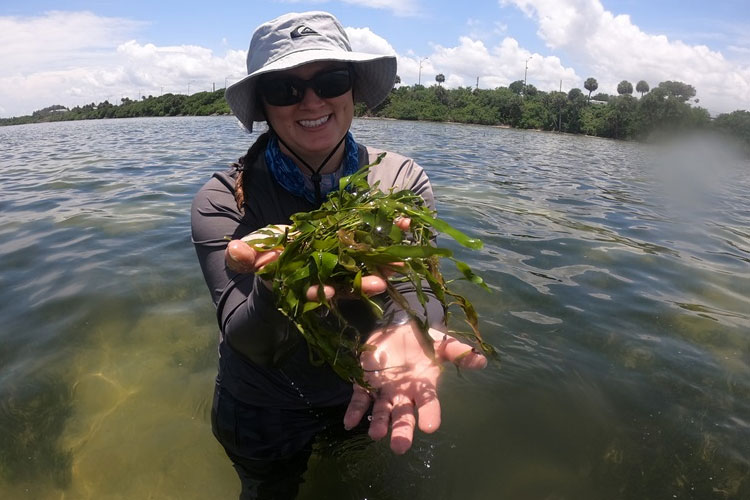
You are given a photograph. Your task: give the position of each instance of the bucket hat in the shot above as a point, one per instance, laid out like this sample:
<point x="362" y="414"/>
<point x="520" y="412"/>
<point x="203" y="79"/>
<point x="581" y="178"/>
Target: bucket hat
<point x="295" y="39"/>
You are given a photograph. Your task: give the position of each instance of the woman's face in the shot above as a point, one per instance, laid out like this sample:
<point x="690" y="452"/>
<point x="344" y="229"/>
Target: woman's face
<point x="313" y="126"/>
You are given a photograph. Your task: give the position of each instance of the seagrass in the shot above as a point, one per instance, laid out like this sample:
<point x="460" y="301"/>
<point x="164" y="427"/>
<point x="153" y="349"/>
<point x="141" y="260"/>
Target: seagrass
<point x="354" y="234"/>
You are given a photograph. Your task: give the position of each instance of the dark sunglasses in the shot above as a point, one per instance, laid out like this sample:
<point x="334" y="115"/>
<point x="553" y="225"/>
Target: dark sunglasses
<point x="288" y="90"/>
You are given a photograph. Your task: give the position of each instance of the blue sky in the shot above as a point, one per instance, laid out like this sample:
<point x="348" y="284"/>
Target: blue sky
<point x="84" y="51"/>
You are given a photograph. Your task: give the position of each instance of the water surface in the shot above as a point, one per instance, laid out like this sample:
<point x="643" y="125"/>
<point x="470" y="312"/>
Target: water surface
<point x="620" y="302"/>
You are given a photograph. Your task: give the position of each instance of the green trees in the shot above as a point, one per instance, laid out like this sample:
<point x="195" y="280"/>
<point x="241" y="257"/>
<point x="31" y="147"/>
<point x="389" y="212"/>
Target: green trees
<point x="662" y="110"/>
<point x="625" y="87"/>
<point x="619" y="117"/>
<point x="596" y="120"/>
<point x="200" y="104"/>
<point x="591" y="85"/>
<point x="571" y="116"/>
<point x="516" y="87"/>
<point x="682" y="91"/>
<point x="601" y="97"/>
<point x="575" y="94"/>
<point x="642" y="87"/>
<point x="440" y="78"/>
<point x="49" y="111"/>
<point x="737" y="125"/>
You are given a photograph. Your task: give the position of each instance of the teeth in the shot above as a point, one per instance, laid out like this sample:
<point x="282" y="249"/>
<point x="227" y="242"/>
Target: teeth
<point x="313" y="123"/>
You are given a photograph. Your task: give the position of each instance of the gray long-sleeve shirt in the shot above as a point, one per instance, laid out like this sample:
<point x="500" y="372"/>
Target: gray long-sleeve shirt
<point x="253" y="331"/>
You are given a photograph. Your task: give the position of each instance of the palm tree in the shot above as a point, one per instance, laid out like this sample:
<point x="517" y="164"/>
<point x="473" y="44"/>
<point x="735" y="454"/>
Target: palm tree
<point x="624" y="87"/>
<point x="591" y="85"/>
<point x="642" y="87"/>
<point x="440" y="78"/>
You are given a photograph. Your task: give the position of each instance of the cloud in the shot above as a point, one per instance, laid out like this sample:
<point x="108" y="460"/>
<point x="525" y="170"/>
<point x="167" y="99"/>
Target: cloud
<point x="495" y="66"/>
<point x="615" y="49"/>
<point x="364" y="40"/>
<point x="149" y="65"/>
<point x="58" y="39"/>
<point x="73" y="58"/>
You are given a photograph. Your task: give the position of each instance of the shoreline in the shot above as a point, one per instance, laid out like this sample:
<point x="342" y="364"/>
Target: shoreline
<point x="728" y="136"/>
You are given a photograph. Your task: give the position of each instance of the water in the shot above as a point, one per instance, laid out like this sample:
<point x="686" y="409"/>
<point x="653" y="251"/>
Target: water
<point x="620" y="305"/>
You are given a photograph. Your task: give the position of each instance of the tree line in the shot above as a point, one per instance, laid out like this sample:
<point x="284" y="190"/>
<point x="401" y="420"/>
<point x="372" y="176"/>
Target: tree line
<point x="670" y="107"/>
<point x="198" y="104"/>
<point x="667" y="108"/>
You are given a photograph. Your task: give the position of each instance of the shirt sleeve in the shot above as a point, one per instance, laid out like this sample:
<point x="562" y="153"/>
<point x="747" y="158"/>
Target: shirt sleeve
<point x="246" y="313"/>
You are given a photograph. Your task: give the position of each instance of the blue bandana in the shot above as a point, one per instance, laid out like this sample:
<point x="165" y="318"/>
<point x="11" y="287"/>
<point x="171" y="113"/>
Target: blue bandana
<point x="291" y="178"/>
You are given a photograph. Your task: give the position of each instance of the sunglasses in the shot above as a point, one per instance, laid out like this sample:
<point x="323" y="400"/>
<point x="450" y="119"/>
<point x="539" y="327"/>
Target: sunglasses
<point x="288" y="90"/>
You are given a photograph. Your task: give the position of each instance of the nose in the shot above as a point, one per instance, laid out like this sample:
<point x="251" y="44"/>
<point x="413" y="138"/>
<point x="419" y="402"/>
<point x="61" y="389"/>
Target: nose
<point x="311" y="99"/>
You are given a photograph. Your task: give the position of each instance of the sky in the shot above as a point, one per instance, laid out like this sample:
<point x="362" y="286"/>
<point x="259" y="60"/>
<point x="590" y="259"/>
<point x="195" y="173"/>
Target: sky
<point x="77" y="52"/>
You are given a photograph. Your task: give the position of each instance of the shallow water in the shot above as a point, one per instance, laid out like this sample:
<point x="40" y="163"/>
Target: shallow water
<point x="620" y="304"/>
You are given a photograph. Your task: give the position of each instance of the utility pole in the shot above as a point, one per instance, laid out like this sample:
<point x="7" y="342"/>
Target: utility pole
<point x="525" y="71"/>
<point x="559" y="120"/>
<point x="477" y="83"/>
<point x="419" y="81"/>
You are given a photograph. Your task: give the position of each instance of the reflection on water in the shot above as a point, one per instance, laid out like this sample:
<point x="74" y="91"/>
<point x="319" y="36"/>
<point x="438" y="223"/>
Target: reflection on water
<point x="620" y="303"/>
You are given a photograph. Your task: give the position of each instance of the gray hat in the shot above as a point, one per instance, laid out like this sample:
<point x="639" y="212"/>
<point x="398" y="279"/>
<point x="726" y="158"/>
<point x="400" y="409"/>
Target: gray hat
<point x="296" y="39"/>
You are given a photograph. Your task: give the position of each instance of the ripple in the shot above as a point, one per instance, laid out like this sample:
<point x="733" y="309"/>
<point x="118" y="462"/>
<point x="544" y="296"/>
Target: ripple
<point x="622" y="320"/>
<point x="536" y="317"/>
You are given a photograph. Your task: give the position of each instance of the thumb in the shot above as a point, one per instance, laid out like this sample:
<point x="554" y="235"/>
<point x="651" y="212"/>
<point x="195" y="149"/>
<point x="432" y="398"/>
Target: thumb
<point x="240" y="257"/>
<point x="454" y="351"/>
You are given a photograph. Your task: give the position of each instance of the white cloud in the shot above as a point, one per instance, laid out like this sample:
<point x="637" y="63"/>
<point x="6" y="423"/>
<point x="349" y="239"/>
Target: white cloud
<point x="78" y="58"/>
<point x="615" y="49"/>
<point x="364" y="40"/>
<point x="494" y="66"/>
<point x="57" y="39"/>
<point x="151" y="65"/>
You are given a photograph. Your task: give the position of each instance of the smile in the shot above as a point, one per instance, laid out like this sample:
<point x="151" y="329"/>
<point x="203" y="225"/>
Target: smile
<point x="314" y="123"/>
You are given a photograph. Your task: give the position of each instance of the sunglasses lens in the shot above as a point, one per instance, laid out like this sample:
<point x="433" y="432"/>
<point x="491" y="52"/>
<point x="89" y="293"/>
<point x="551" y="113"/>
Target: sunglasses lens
<point x="289" y="90"/>
<point x="332" y="83"/>
<point x="282" y="91"/>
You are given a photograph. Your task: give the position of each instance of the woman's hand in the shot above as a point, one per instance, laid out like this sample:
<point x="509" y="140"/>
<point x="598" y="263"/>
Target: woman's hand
<point x="404" y="379"/>
<point x="242" y="258"/>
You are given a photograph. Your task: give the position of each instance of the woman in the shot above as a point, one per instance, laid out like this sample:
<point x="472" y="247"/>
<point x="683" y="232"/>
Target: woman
<point x="270" y="402"/>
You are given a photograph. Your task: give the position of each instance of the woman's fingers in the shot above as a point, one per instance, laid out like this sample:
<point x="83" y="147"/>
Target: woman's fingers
<point x="455" y="351"/>
<point x="312" y="292"/>
<point x="402" y="429"/>
<point x="373" y="285"/>
<point x="428" y="409"/>
<point x="265" y="258"/>
<point x="403" y="223"/>
<point x="381" y="417"/>
<point x="357" y="408"/>
<point x="240" y="257"/>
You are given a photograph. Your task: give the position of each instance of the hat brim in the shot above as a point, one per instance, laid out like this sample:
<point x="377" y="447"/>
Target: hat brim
<point x="373" y="80"/>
